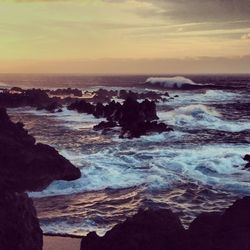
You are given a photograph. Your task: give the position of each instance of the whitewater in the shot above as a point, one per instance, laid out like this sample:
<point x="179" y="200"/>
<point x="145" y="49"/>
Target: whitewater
<point x="195" y="168"/>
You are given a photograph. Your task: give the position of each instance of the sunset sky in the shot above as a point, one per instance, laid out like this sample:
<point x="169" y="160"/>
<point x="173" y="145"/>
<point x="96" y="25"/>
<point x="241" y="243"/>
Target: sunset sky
<point x="125" y="36"/>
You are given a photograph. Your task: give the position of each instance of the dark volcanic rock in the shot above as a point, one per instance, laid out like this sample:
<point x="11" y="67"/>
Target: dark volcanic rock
<point x="147" y="230"/>
<point x="103" y="95"/>
<point x="25" y="165"/>
<point x="123" y="94"/>
<point x="53" y="107"/>
<point x="135" y="118"/>
<point x="234" y="230"/>
<point x="30" y="97"/>
<point x="17" y="89"/>
<point x="247" y="158"/>
<point x="68" y="91"/>
<point x="104" y="125"/>
<point x="19" y="226"/>
<point x="138" y="119"/>
<point x="143" y="128"/>
<point x="202" y="230"/>
<point x="162" y="230"/>
<point x="82" y="107"/>
<point x="228" y="231"/>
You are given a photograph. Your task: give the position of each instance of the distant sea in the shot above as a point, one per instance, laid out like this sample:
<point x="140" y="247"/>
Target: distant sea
<point x="196" y="168"/>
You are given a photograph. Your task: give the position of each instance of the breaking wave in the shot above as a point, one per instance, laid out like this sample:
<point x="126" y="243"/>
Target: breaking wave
<point x="178" y="82"/>
<point x="156" y="169"/>
<point x="202" y="117"/>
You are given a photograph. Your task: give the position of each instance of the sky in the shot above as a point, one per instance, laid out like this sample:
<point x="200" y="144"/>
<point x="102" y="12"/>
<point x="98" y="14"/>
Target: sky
<point x="124" y="36"/>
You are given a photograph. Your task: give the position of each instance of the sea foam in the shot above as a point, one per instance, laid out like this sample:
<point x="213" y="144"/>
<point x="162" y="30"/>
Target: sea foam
<point x="200" y="116"/>
<point x="177" y="82"/>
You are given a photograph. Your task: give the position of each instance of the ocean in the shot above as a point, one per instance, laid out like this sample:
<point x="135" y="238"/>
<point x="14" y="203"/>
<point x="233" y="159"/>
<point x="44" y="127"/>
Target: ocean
<point x="196" y="168"/>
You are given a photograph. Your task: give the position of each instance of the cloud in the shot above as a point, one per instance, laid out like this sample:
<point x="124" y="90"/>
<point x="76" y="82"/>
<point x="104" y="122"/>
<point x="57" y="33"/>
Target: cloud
<point x="152" y="66"/>
<point x="179" y="10"/>
<point x="197" y="10"/>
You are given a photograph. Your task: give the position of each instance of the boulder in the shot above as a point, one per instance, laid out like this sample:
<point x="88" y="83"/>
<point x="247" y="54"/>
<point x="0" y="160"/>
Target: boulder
<point x="147" y="230"/>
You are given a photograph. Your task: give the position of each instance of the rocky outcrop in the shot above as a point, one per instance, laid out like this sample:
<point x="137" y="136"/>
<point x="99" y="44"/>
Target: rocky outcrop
<point x="138" y="119"/>
<point x="227" y="231"/>
<point x="135" y="118"/>
<point x="152" y="95"/>
<point x="66" y="92"/>
<point x="105" y="96"/>
<point x="16" y="90"/>
<point x="105" y="125"/>
<point x="29" y="97"/>
<point x="25" y="166"/>
<point x="52" y="107"/>
<point x="143" y="128"/>
<point x="162" y="230"/>
<point x="19" y="226"/>
<point x="82" y="107"/>
<point x="147" y="230"/>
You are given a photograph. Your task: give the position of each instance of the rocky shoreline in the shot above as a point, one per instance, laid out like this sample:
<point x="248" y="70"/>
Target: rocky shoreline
<point x="29" y="166"/>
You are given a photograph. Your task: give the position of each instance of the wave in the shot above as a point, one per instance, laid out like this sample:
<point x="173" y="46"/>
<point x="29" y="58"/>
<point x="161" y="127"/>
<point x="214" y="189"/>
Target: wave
<point x="2" y="84"/>
<point x="156" y="169"/>
<point x="199" y="116"/>
<point x="177" y="82"/>
<point x="68" y="118"/>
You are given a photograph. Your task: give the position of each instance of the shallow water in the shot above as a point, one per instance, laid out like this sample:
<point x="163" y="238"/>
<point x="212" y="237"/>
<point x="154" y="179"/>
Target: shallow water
<point x="197" y="167"/>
